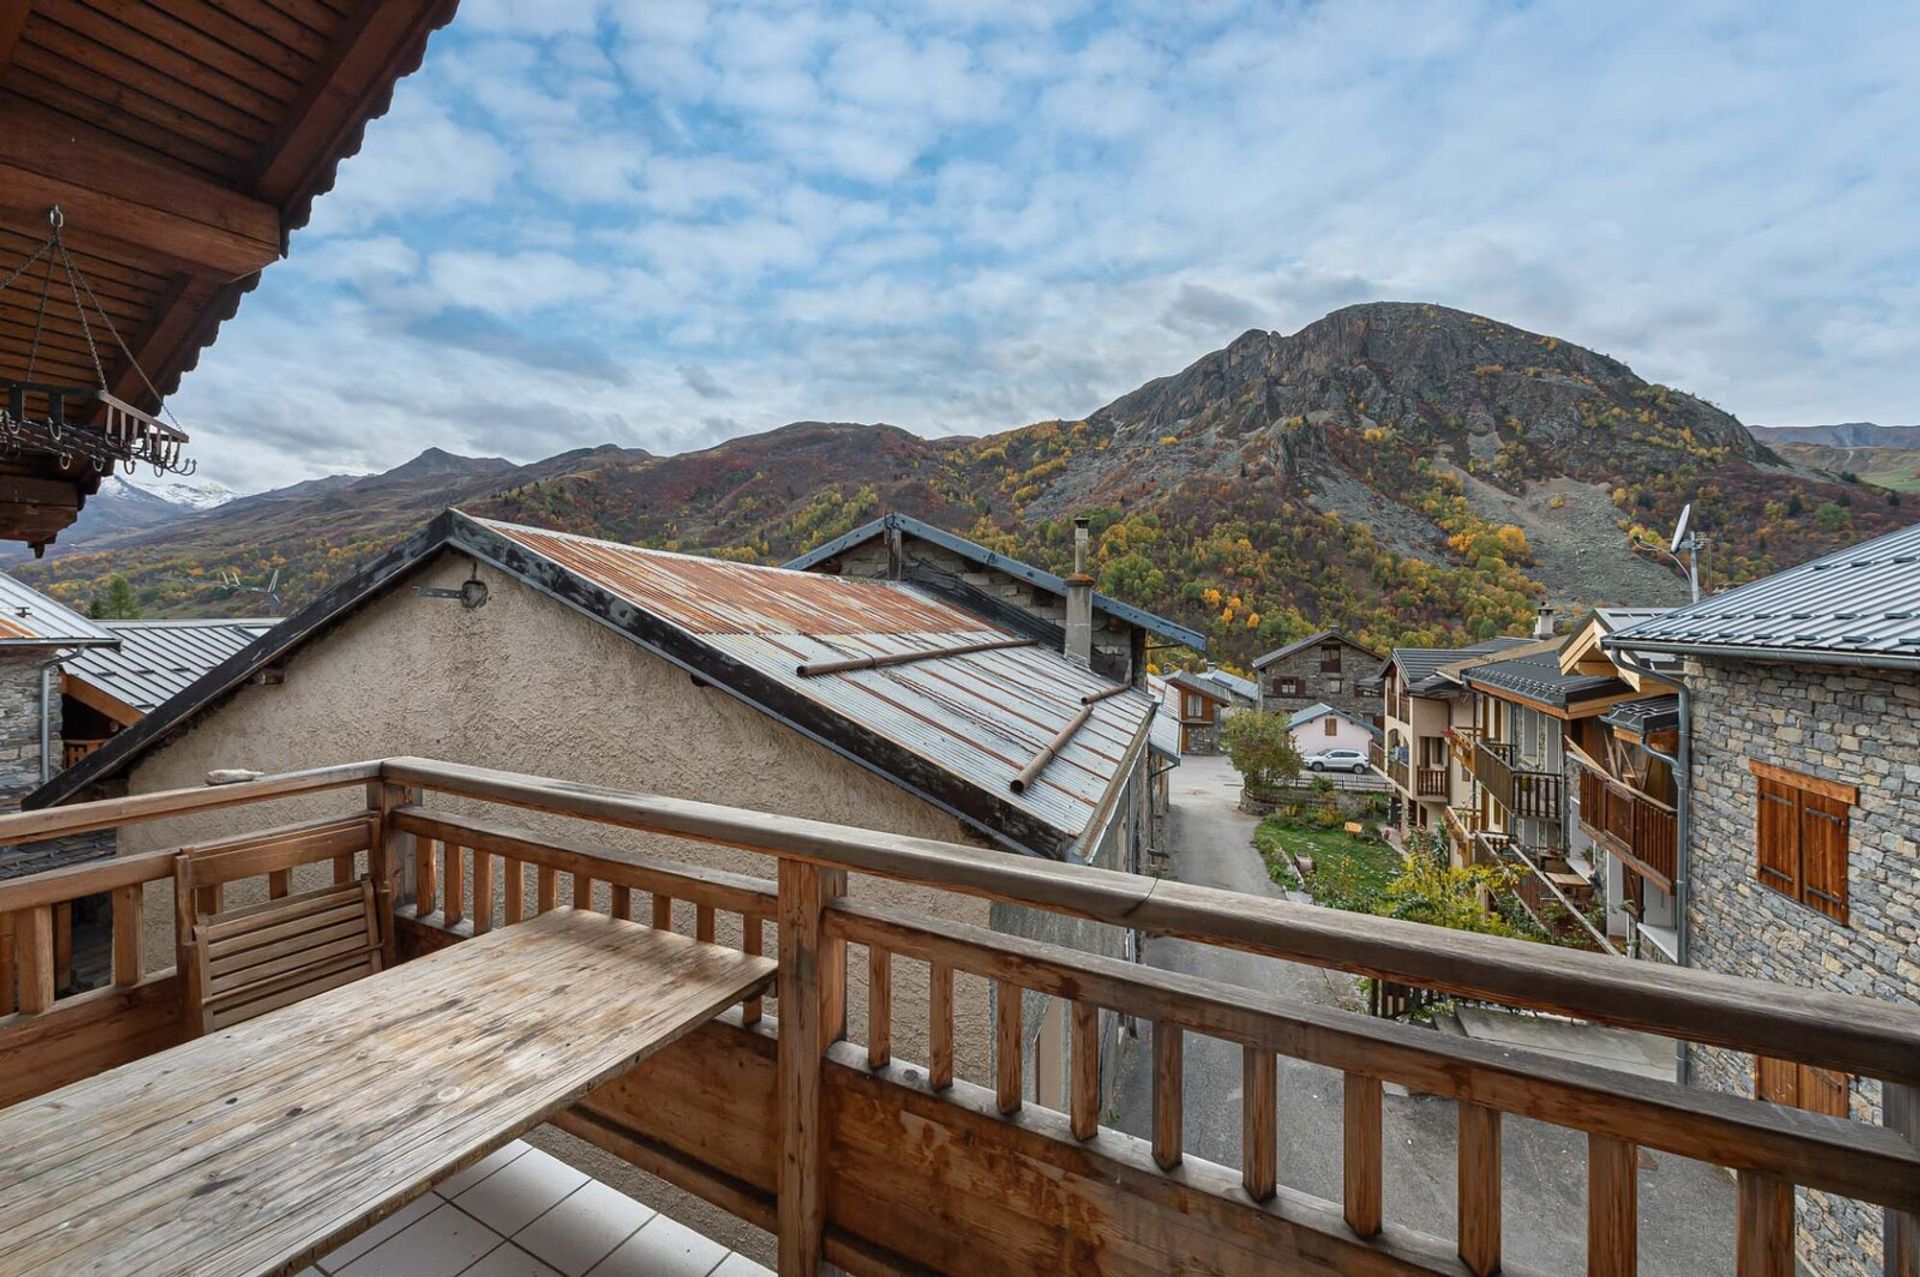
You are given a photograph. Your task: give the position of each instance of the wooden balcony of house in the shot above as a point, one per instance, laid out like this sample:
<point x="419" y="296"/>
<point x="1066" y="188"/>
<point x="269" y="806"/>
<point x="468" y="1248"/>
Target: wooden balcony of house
<point x="1391" y="764"/>
<point x="1521" y="791"/>
<point x="1635" y="827"/>
<point x="1462" y="823"/>
<point x="1553" y="893"/>
<point x="232" y="1103"/>
<point x="73" y="750"/>
<point x="1431" y="782"/>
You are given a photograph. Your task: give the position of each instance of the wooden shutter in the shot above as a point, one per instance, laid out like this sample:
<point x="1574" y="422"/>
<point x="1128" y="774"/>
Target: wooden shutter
<point x="1823" y="1091"/>
<point x="1776" y="1081"/>
<point x="1778" y="822"/>
<point x="1333" y="725"/>
<point x="1823" y="854"/>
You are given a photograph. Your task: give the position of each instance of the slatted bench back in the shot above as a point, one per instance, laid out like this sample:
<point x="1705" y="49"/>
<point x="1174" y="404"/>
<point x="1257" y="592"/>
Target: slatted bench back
<point x="259" y="957"/>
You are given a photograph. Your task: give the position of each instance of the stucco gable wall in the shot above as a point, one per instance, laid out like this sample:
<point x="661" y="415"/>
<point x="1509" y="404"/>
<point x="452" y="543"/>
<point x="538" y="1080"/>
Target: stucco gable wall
<point x="527" y="684"/>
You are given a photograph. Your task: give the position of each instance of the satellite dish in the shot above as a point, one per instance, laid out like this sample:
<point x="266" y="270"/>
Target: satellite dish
<point x="1680" y="527"/>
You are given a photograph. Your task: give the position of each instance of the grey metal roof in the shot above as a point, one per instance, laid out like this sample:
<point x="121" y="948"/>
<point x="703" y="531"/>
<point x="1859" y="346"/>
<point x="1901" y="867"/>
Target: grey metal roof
<point x="954" y="729"/>
<point x="1538" y="677"/>
<point x="29" y="618"/>
<point x="1652" y="714"/>
<point x="1320" y="636"/>
<point x="1165" y="732"/>
<point x="980" y="554"/>
<point x="1321" y="709"/>
<point x="1245" y="688"/>
<point x="1856" y="606"/>
<point x="1419" y="666"/>
<point x="156" y="660"/>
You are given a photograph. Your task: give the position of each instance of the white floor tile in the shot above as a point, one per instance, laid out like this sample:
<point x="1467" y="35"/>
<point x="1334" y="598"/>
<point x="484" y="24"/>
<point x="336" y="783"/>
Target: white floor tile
<point x="741" y="1266"/>
<point x="520" y="1192"/>
<point x="348" y="1252"/>
<point x="442" y="1244"/>
<point x="509" y="1261"/>
<point x="584" y="1229"/>
<point x="663" y="1248"/>
<point x="455" y="1185"/>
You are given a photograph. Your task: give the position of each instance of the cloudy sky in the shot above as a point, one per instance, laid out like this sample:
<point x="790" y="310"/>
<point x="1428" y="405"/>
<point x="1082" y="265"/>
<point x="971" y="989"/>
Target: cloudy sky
<point x="663" y="224"/>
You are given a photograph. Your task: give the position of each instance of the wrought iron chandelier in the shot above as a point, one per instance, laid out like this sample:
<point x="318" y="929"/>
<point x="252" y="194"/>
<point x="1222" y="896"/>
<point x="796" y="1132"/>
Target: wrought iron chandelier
<point x="36" y="415"/>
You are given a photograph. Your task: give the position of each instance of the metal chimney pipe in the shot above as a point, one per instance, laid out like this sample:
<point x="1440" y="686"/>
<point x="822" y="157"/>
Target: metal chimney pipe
<point x="1543" y="622"/>
<point x="1079" y="640"/>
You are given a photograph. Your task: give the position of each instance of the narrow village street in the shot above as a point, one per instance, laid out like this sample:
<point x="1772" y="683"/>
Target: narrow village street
<point x="1686" y="1207"/>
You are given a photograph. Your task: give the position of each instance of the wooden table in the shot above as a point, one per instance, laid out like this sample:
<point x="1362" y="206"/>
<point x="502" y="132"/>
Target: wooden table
<point x="257" y="1148"/>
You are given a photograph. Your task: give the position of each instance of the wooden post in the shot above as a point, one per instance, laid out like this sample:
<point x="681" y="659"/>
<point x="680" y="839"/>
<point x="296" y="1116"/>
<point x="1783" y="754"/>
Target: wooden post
<point x="582" y="891"/>
<point x="1360" y="1166"/>
<point x="516" y="890"/>
<point x="750" y="943"/>
<point x="34" y="958"/>
<point x="63" y="945"/>
<point x="455" y="878"/>
<point x="185" y="962"/>
<point x="1613" y="1211"/>
<point x="1900" y="1111"/>
<point x="622" y="902"/>
<point x="482" y="891"/>
<point x="128" y="902"/>
<point x="804" y="974"/>
<point x="879" y="1006"/>
<point x="1006" y="1046"/>
<point x="703" y="923"/>
<point x="1085" y="1100"/>
<point x="547" y="887"/>
<point x="1479" y="1188"/>
<point x="426" y="876"/>
<point x="1259" y="1123"/>
<point x="1169" y="1079"/>
<point x="1765" y="1247"/>
<point x="662" y="912"/>
<point x="940" y="1026"/>
<point x="392" y="860"/>
<point x="6" y="964"/>
<point x="279" y="883"/>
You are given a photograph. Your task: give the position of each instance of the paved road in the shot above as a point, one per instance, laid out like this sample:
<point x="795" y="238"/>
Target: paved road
<point x="1686" y="1208"/>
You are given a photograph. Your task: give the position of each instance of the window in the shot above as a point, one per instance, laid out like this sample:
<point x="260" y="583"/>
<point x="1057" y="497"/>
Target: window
<point x="1330" y="659"/>
<point x="1801" y="836"/>
<point x="1800" y="1086"/>
<point x="1333" y="725"/>
<point x="1196" y="708"/>
<point x="1333" y="685"/>
<point x="1289" y="685"/>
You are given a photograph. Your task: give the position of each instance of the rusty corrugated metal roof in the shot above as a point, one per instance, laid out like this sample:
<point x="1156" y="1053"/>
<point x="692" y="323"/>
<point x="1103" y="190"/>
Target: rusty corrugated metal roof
<point x="978" y="716"/>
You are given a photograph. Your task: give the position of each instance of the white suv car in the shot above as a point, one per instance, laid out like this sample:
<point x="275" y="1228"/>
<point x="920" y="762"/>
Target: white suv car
<point x="1337" y="760"/>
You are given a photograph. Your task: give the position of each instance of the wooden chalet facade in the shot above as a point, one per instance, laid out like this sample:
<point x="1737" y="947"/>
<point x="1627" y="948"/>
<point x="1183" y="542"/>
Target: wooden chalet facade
<point x="1202" y="706"/>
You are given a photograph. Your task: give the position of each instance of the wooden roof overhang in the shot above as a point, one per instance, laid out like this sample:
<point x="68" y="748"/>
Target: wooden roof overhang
<point x="184" y="141"/>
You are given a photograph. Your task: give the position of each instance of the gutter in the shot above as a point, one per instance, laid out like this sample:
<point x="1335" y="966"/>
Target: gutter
<point x="1681" y="763"/>
<point x="1620" y="644"/>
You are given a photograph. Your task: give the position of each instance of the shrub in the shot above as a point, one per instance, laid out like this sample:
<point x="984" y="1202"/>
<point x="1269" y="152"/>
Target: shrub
<point x="1261" y="747"/>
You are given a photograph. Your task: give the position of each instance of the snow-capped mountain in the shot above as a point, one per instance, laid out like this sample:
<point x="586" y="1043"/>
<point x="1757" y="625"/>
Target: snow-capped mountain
<point x="192" y="494"/>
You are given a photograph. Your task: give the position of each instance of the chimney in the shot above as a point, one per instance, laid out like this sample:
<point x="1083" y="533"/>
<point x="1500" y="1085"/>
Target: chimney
<point x="1080" y="599"/>
<point x="1543" y="622"/>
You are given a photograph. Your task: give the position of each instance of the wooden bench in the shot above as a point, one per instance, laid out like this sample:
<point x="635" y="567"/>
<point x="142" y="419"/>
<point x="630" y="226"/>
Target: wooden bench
<point x="258" y="958"/>
<point x="249" y="960"/>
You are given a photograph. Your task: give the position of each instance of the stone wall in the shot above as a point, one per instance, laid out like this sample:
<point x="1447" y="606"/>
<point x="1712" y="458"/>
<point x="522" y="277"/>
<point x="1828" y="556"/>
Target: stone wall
<point x="1859" y="727"/>
<point x="20" y="761"/>
<point x="1316" y="686"/>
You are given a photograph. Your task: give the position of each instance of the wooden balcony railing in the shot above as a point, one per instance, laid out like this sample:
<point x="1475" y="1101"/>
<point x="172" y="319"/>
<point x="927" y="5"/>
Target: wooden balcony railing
<point x="880" y="1164"/>
<point x="1520" y="791"/>
<point x="1431" y="782"/>
<point x="1390" y="764"/>
<point x="72" y="750"/>
<point x="1638" y="828"/>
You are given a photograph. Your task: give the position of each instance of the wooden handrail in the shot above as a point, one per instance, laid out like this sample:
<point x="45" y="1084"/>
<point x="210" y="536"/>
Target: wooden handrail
<point x="111" y="813"/>
<point x="1834" y="1155"/>
<point x="1837" y="1031"/>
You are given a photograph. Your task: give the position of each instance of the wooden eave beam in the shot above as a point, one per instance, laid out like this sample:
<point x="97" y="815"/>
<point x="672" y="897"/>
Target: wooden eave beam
<point x="111" y="190"/>
<point x="95" y="698"/>
<point x="13" y="20"/>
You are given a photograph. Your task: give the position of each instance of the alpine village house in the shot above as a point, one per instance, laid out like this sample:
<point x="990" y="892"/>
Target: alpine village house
<point x="806" y="902"/>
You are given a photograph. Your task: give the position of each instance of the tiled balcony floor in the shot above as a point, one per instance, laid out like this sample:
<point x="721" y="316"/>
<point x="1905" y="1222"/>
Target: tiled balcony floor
<point x="523" y="1213"/>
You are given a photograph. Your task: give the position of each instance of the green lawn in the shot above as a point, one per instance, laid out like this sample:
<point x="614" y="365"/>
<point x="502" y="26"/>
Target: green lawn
<point x="1348" y="873"/>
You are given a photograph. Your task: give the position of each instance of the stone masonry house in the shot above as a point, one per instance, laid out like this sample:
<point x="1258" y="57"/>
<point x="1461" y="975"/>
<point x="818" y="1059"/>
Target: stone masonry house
<point x="1011" y="594"/>
<point x="869" y="703"/>
<point x="1320" y="669"/>
<point x="1801" y="722"/>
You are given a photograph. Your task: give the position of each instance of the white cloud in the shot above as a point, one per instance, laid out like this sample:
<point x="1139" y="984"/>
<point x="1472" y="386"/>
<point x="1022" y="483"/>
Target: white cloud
<point x="960" y="217"/>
